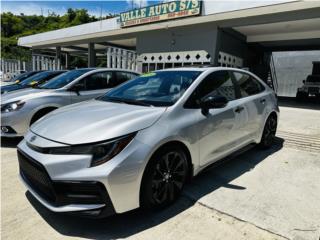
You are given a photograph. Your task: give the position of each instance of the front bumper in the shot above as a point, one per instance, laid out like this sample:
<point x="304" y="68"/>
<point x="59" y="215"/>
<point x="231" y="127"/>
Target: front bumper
<point x="119" y="178"/>
<point x="18" y="121"/>
<point x="310" y="90"/>
<point x="83" y="197"/>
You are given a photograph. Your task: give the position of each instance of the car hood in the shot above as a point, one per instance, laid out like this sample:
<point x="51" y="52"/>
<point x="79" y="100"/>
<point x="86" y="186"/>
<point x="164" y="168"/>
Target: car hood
<point x="23" y="94"/>
<point x="11" y="87"/>
<point x="95" y="121"/>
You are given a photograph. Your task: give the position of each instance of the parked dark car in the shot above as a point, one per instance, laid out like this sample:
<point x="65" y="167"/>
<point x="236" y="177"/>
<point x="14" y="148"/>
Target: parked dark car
<point x="32" y="81"/>
<point x="23" y="76"/>
<point x="311" y="86"/>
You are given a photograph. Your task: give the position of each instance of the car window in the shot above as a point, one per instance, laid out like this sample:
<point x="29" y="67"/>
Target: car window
<point x="313" y="79"/>
<point x="123" y="77"/>
<point x="64" y="79"/>
<point x="39" y="78"/>
<point x="100" y="80"/>
<point x="103" y="80"/>
<point x="215" y="84"/>
<point x="248" y="85"/>
<point x="161" y="88"/>
<point x="23" y="76"/>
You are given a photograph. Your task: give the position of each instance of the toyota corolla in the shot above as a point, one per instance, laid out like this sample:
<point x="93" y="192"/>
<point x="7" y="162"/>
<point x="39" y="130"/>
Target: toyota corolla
<point x="137" y="145"/>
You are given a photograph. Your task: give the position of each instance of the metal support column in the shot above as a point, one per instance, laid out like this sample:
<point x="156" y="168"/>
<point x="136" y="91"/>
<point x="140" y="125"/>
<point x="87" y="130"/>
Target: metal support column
<point x="109" y="65"/>
<point x="119" y="55"/>
<point x="58" y="57"/>
<point x="67" y="66"/>
<point x="91" y="55"/>
<point x="114" y="57"/>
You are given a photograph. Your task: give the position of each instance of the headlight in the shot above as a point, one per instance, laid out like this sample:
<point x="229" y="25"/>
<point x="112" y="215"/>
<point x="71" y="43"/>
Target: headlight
<point x="101" y="152"/>
<point x="13" y="106"/>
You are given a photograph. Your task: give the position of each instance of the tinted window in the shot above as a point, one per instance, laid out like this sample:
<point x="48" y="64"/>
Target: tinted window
<point x="313" y="79"/>
<point x="247" y="84"/>
<point x="39" y="78"/>
<point x="215" y="84"/>
<point x="99" y="80"/>
<point x="123" y="77"/>
<point x="156" y="88"/>
<point x="23" y="76"/>
<point x="64" y="79"/>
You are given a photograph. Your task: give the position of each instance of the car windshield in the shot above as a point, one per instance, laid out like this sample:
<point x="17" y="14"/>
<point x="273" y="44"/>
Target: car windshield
<point x="63" y="79"/>
<point x="37" y="78"/>
<point x="22" y="76"/>
<point x="161" y="88"/>
<point x="313" y="79"/>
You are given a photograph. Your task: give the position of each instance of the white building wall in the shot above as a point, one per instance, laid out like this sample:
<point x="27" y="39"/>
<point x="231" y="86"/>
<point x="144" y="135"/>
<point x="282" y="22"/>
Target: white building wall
<point x="98" y="29"/>
<point x="218" y="6"/>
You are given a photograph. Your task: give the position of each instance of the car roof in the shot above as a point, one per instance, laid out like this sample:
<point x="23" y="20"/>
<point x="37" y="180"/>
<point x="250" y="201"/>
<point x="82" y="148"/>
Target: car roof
<point x="202" y="69"/>
<point x="109" y="69"/>
<point x="54" y="71"/>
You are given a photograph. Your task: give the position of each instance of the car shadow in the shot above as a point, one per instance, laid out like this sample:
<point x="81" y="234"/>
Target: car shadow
<point x="292" y="102"/>
<point x="127" y="224"/>
<point x="10" y="142"/>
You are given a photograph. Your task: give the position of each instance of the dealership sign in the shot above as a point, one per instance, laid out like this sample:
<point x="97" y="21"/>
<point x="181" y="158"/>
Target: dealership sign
<point x="161" y="12"/>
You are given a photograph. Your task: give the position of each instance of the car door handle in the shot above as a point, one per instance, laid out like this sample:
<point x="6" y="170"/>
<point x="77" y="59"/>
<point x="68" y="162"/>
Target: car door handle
<point x="239" y="109"/>
<point x="262" y="101"/>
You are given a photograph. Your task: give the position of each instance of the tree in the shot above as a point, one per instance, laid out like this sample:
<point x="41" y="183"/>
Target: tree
<point x="15" y="26"/>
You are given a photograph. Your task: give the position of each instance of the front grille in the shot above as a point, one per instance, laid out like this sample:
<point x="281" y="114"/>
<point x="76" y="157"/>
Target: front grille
<point x="36" y="176"/>
<point x="313" y="90"/>
<point x="59" y="193"/>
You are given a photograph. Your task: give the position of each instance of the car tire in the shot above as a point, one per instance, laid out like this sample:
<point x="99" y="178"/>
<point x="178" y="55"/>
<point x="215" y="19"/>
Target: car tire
<point x="302" y="96"/>
<point x="269" y="132"/>
<point x="164" y="178"/>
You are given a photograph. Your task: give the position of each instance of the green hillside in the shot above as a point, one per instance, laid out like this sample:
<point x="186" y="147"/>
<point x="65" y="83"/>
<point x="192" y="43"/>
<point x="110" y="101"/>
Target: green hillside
<point x="15" y="26"/>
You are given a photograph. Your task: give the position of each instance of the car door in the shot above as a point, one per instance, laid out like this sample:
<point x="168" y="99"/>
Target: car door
<point x="92" y="86"/>
<point x="253" y="99"/>
<point x="218" y="130"/>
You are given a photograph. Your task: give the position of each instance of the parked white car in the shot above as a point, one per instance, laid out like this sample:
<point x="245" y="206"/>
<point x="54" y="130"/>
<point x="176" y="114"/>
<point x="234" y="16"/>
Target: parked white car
<point x="138" y="144"/>
<point x="21" y="108"/>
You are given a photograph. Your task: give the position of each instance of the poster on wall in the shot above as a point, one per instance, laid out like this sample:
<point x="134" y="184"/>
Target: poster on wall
<point x="161" y="12"/>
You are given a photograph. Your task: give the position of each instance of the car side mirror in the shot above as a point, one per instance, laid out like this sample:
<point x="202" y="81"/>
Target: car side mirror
<point x="77" y="88"/>
<point x="212" y="102"/>
<point x="304" y="81"/>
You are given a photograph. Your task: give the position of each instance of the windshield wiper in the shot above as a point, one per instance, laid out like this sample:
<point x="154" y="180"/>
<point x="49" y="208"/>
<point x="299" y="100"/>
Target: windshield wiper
<point x="136" y="102"/>
<point x="129" y="101"/>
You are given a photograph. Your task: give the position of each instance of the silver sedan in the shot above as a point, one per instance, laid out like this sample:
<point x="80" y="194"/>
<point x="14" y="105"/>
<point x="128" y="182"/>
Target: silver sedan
<point x="139" y="143"/>
<point x="20" y="109"/>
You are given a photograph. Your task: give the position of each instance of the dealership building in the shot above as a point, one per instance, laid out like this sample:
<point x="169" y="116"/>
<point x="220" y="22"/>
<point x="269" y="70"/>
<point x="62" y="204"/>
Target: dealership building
<point x="239" y="34"/>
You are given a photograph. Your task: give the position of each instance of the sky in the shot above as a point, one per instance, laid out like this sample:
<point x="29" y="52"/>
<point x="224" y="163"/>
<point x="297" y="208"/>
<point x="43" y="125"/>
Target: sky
<point x="96" y="8"/>
<point x="103" y="7"/>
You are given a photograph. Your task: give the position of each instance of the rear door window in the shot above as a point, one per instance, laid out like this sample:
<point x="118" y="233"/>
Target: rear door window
<point x="100" y="80"/>
<point x="122" y="77"/>
<point x="248" y="85"/>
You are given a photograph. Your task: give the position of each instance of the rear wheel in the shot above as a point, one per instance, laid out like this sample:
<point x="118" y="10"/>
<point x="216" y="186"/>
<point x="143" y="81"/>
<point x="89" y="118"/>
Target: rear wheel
<point x="269" y="132"/>
<point x="164" y="178"/>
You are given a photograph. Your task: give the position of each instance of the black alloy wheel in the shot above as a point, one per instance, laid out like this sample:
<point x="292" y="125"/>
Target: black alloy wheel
<point x="164" y="178"/>
<point x="269" y="132"/>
